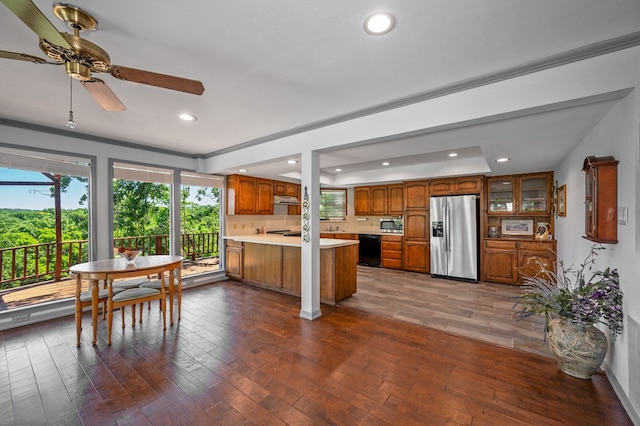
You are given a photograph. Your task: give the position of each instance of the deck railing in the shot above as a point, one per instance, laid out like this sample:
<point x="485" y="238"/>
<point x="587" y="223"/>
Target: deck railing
<point x="37" y="262"/>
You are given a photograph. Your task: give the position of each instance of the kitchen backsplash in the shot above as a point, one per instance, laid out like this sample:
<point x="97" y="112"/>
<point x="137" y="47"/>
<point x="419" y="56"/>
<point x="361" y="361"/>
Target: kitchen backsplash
<point x="247" y="224"/>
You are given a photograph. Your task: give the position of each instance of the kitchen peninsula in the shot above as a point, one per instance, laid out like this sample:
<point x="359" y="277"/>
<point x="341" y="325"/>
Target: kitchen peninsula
<point x="274" y="262"/>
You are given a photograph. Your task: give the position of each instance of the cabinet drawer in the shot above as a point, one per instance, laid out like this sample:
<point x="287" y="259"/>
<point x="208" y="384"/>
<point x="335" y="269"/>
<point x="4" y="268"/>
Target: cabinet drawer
<point x="391" y="263"/>
<point x="391" y="245"/>
<point x="506" y="245"/>
<point x="537" y="246"/>
<point x="234" y="243"/>
<point x="386" y="238"/>
<point x="391" y="254"/>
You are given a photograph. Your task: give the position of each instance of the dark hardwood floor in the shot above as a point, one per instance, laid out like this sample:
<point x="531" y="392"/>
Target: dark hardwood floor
<point x="241" y="355"/>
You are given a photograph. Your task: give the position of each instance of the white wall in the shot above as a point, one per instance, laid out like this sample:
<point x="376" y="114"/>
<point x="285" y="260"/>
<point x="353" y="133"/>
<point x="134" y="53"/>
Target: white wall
<point x="617" y="134"/>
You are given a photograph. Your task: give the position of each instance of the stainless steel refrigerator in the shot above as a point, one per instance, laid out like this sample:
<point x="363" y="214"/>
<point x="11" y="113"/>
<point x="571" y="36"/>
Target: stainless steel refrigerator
<point x="454" y="237"/>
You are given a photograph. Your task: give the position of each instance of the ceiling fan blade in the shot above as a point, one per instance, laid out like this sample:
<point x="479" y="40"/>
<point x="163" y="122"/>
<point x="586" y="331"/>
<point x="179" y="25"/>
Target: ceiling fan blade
<point x="103" y="95"/>
<point x="37" y="21"/>
<point x="21" y="57"/>
<point x="193" y="87"/>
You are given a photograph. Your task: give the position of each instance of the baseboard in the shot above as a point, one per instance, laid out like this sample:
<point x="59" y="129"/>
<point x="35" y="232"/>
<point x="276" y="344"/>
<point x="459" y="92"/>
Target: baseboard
<point x="632" y="411"/>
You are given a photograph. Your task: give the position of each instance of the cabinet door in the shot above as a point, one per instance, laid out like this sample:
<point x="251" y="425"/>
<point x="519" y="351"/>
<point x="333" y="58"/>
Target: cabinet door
<point x="297" y="209"/>
<point x="395" y="199"/>
<point x="291" y="189"/>
<point x="245" y="195"/>
<point x="416" y="225"/>
<point x="378" y="200"/>
<point x="501" y="262"/>
<point x="361" y="200"/>
<point x="279" y="188"/>
<point x="416" y="256"/>
<point x="536" y="259"/>
<point x="234" y="262"/>
<point x="416" y="195"/>
<point x="468" y="185"/>
<point x="442" y="187"/>
<point x="535" y="194"/>
<point x="501" y="192"/>
<point x="264" y="196"/>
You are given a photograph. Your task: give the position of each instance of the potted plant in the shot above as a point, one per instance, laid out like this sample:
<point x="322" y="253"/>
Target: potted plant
<point x="571" y="306"/>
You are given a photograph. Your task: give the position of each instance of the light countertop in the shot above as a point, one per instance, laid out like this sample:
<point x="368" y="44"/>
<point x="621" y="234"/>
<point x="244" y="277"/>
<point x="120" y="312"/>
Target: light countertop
<point x="281" y="240"/>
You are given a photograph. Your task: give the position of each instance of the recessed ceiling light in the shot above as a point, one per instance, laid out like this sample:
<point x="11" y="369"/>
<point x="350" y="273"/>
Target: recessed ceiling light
<point x="378" y="23"/>
<point x="502" y="160"/>
<point x="243" y="170"/>
<point x="338" y="170"/>
<point x="292" y="161"/>
<point x="187" y="117"/>
<point x="453" y="154"/>
<point x="386" y="163"/>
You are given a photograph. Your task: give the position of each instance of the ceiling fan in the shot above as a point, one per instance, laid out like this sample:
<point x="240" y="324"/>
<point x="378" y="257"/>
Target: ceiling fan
<point x="81" y="57"/>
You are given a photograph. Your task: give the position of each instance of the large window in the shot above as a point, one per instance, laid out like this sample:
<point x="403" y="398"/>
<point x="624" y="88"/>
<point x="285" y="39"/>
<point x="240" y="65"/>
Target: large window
<point x="45" y="224"/>
<point x="333" y="204"/>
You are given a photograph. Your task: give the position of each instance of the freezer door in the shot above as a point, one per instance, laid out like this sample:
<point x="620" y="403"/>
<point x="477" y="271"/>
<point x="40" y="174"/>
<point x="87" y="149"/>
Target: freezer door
<point x="438" y="240"/>
<point x="462" y="260"/>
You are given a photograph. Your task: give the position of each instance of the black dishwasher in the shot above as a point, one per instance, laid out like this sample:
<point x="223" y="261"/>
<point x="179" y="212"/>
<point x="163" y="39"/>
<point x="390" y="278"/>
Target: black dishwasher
<point x="369" y="250"/>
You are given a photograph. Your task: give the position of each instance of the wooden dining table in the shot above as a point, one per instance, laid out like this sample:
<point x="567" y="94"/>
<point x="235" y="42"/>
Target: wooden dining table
<point x="102" y="273"/>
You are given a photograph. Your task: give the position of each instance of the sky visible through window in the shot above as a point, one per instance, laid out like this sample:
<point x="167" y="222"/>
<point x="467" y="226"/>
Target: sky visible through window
<point x="35" y="197"/>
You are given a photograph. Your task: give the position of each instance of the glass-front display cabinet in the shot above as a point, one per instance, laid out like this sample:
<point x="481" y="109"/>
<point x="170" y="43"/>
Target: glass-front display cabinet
<point x="501" y="195"/>
<point x="534" y="194"/>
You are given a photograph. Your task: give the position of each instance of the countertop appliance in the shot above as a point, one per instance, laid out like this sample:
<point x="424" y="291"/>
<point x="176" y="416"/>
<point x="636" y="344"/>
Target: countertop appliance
<point x="454" y="237"/>
<point x="369" y="250"/>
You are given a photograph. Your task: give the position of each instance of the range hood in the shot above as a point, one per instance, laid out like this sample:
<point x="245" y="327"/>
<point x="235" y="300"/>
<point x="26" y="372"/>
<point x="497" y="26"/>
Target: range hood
<point x="286" y="199"/>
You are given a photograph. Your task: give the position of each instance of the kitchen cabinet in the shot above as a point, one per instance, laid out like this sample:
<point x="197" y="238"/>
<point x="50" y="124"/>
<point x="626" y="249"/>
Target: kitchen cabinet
<point x="395" y="199"/>
<point x="416" y="195"/>
<point x="415" y="253"/>
<point x="379" y="200"/>
<point x="361" y="202"/>
<point x="264" y="196"/>
<point x="510" y="262"/>
<point x="339" y="235"/>
<point x="241" y="194"/>
<point x="234" y="259"/>
<point x="601" y="199"/>
<point x="520" y="195"/>
<point x="416" y="256"/>
<point x="501" y="261"/>
<point x="456" y="185"/>
<point x="391" y="251"/>
<point x="249" y="195"/>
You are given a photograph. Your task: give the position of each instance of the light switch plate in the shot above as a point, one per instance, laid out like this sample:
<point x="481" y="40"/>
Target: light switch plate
<point x="622" y="215"/>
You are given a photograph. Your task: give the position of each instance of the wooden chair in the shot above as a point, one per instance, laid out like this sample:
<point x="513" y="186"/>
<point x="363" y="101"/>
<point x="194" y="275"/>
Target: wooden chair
<point x="84" y="300"/>
<point x="174" y="286"/>
<point x="132" y="297"/>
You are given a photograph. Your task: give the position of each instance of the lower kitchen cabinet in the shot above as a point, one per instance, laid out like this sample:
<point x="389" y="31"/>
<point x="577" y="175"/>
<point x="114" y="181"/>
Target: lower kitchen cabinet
<point x="501" y="261"/>
<point x="511" y="262"/>
<point x="391" y="251"/>
<point x="416" y="256"/>
<point x="234" y="259"/>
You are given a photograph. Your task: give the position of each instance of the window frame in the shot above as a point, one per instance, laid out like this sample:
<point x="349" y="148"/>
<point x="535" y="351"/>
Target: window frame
<point x="334" y="218"/>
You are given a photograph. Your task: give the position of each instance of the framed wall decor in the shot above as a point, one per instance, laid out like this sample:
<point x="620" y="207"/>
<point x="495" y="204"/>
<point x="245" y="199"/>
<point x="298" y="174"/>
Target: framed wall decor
<point x="562" y="200"/>
<point x="517" y="227"/>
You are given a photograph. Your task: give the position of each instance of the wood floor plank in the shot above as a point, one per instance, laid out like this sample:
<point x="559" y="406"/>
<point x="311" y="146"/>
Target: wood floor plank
<point x="241" y="355"/>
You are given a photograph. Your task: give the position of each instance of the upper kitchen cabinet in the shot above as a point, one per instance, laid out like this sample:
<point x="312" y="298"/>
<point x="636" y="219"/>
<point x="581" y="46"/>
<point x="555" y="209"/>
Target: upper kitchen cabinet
<point x="249" y="195"/>
<point x="601" y="199"/>
<point x="395" y="199"/>
<point x="416" y="195"/>
<point x="527" y="194"/>
<point x="285" y="188"/>
<point x="456" y="185"/>
<point x="379" y="200"/>
<point x="362" y="203"/>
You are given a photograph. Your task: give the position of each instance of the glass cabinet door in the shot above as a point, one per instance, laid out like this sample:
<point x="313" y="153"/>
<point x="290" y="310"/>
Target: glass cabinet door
<point x="501" y="195"/>
<point x="534" y="195"/>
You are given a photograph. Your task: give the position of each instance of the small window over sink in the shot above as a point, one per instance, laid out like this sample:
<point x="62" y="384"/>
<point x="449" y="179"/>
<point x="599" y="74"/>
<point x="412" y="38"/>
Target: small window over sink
<point x="333" y="204"/>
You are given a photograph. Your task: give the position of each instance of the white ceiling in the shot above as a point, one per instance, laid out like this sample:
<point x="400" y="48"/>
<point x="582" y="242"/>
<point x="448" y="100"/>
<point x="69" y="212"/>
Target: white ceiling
<point x="271" y="67"/>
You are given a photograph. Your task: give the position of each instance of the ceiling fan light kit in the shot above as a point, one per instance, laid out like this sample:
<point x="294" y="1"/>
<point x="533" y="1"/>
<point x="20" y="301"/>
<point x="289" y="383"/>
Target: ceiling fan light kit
<point x="81" y="57"/>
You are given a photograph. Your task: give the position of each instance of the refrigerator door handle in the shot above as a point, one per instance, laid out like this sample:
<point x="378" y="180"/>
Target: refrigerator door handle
<point x="447" y="229"/>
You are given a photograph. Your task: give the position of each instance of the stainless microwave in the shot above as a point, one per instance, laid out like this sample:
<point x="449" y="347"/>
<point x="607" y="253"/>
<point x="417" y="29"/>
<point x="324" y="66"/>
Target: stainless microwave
<point x="391" y="225"/>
